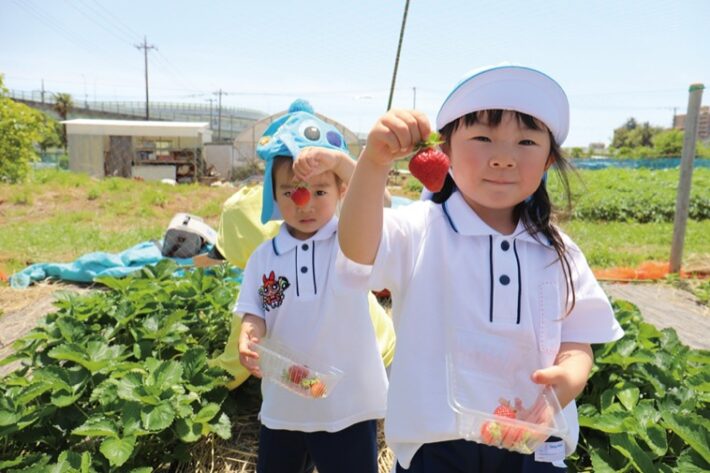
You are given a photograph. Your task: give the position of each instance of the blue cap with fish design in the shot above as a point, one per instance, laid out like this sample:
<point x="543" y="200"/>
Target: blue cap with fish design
<point x="297" y="129"/>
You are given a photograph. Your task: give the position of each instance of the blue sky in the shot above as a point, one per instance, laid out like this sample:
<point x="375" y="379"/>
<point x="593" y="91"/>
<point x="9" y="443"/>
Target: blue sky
<point x="616" y="59"/>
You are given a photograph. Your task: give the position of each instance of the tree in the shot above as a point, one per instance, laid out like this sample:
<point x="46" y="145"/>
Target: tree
<point x="630" y="124"/>
<point x="20" y="128"/>
<point x="669" y="142"/>
<point x="577" y="152"/>
<point x="63" y="105"/>
<point x="631" y="135"/>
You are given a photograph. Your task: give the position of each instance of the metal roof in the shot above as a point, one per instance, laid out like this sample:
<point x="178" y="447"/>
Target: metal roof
<point x="86" y="126"/>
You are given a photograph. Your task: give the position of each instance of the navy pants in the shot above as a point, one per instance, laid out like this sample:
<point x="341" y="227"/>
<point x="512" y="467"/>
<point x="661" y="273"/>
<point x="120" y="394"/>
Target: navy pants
<point x="462" y="456"/>
<point x="351" y="450"/>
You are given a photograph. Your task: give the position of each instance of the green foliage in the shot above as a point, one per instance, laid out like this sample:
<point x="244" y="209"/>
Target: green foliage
<point x="63" y="105"/>
<point x="58" y="216"/>
<point x="702" y="292"/>
<point x="633" y="135"/>
<point x="633" y="195"/>
<point x="63" y="162"/>
<point x="632" y="140"/>
<point x="413" y="185"/>
<point x="615" y="244"/>
<point x="669" y="142"/>
<point x="645" y="407"/>
<point x="21" y="128"/>
<point x="118" y="379"/>
<point x="577" y="153"/>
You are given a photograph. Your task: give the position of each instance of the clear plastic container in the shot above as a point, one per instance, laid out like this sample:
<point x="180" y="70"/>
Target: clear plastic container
<point x="495" y="401"/>
<point x="295" y="372"/>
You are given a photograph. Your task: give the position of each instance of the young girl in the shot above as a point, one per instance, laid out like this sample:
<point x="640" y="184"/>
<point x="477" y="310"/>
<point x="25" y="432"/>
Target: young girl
<point x="480" y="265"/>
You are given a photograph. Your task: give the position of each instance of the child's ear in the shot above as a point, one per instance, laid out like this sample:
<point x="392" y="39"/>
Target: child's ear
<point x="446" y="148"/>
<point x="550" y="161"/>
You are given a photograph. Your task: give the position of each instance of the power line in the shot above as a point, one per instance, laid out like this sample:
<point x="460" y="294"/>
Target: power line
<point x="176" y="73"/>
<point x="52" y="24"/>
<point x="118" y="24"/>
<point x="101" y="25"/>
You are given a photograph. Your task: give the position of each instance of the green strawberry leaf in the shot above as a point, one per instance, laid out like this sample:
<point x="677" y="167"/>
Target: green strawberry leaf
<point x="117" y="450"/>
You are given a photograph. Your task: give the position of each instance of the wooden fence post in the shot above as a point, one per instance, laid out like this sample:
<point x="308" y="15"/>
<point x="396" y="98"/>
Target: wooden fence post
<point x="690" y="136"/>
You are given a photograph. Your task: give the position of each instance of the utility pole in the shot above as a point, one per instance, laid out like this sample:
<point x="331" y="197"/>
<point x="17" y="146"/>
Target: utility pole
<point x="414" y="97"/>
<point x="211" y="101"/>
<point x="42" y="90"/>
<point x="145" y="47"/>
<point x="399" y="49"/>
<point x="219" y="94"/>
<point x="86" y="100"/>
<point x="690" y="136"/>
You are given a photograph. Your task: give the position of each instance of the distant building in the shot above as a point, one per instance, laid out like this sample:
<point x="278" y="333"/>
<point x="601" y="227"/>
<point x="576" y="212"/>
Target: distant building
<point x="150" y="150"/>
<point x="596" y="147"/>
<point x="703" y="123"/>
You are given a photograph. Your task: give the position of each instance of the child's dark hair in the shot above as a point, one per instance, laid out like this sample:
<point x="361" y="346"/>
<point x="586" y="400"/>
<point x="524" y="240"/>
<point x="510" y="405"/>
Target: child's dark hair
<point x="536" y="212"/>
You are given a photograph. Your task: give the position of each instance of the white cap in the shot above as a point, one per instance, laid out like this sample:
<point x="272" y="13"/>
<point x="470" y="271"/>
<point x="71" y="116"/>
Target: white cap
<point x="509" y="87"/>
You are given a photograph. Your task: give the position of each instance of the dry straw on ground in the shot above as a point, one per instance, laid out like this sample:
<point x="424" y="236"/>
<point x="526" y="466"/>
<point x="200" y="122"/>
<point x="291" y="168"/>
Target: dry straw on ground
<point x="238" y="455"/>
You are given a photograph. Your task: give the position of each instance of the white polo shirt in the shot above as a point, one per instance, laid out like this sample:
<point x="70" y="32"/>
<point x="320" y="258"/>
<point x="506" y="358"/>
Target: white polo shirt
<point x="319" y="316"/>
<point x="444" y="265"/>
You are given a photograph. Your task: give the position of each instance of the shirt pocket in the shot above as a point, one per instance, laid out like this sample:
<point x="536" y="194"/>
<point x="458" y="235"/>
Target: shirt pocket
<point x="549" y="317"/>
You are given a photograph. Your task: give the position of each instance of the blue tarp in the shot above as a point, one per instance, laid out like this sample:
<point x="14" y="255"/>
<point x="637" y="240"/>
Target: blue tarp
<point x="92" y="265"/>
<point x="650" y="163"/>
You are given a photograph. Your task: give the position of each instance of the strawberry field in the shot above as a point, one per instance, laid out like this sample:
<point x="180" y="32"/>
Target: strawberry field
<point x="119" y="380"/>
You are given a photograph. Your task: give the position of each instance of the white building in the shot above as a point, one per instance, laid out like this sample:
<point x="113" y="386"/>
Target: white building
<point x="151" y="150"/>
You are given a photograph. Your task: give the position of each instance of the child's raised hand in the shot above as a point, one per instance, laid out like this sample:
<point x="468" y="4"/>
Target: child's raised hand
<point x="395" y="135"/>
<point x="313" y="160"/>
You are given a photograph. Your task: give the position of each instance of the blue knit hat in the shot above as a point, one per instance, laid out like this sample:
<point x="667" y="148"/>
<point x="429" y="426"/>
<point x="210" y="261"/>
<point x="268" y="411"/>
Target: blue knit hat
<point x="286" y="136"/>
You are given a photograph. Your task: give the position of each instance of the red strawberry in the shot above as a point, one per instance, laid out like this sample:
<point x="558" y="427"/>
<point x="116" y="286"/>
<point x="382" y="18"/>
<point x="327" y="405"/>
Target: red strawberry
<point x="301" y="196"/>
<point x="504" y="410"/>
<point x="430" y="165"/>
<point x="297" y="373"/>
<point x="493" y="432"/>
<point x="318" y="389"/>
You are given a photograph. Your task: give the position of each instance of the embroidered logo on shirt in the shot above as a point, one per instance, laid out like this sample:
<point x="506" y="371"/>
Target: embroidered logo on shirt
<point x="272" y="291"/>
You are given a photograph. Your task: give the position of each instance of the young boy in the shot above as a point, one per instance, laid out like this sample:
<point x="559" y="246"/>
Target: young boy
<point x="291" y="293"/>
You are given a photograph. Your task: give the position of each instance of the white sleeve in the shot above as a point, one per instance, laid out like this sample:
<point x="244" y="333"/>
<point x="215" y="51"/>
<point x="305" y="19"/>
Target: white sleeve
<point x="350" y="275"/>
<point x="592" y="318"/>
<point x="249" y="300"/>
<point x="402" y="230"/>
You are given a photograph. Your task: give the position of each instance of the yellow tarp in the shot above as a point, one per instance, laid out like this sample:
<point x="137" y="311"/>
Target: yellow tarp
<point x="240" y="232"/>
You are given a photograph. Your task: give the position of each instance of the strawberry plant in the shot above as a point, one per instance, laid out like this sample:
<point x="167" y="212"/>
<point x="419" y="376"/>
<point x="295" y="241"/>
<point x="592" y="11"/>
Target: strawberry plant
<point x="118" y="380"/>
<point x="645" y="407"/>
<point x="633" y="195"/>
